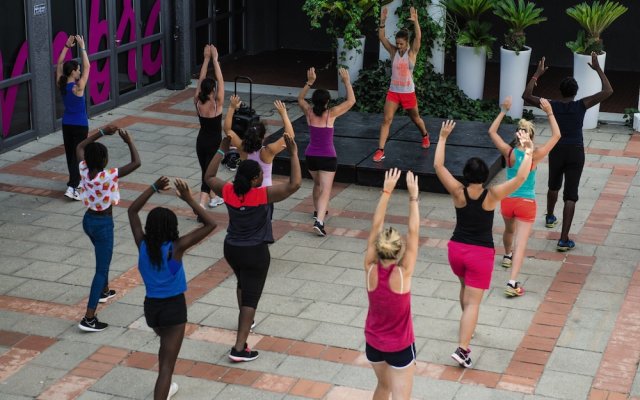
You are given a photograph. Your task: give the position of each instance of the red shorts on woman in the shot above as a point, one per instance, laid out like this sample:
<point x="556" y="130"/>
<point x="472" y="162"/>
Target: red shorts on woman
<point x="519" y="208"/>
<point x="406" y="100"/>
<point x="473" y="264"/>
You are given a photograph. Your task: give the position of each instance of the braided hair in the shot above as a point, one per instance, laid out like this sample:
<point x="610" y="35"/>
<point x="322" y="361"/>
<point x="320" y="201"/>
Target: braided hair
<point x="161" y="227"/>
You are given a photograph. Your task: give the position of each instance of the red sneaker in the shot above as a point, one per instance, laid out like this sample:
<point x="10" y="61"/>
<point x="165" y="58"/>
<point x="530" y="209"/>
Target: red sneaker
<point x="425" y="141"/>
<point x="378" y="156"/>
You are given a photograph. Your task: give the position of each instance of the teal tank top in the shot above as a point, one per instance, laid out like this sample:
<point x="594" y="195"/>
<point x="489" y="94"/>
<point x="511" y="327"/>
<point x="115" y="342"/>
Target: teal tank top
<point x="528" y="188"/>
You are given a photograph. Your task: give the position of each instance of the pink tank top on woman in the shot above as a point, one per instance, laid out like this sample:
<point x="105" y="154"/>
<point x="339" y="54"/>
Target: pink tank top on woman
<point x="402" y="74"/>
<point x="389" y="327"/>
<point x="320" y="140"/>
<point x="266" y="168"/>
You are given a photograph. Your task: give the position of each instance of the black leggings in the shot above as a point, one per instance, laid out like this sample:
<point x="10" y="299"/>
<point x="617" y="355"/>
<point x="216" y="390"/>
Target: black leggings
<point x="251" y="265"/>
<point x="72" y="135"/>
<point x="206" y="146"/>
<point x="566" y="161"/>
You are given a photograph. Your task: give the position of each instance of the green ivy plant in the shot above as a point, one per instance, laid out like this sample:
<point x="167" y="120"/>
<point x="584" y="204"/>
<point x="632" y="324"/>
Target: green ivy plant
<point x="628" y="116"/>
<point x="518" y="16"/>
<point x="594" y="19"/>
<point x="345" y="19"/>
<point x="474" y="33"/>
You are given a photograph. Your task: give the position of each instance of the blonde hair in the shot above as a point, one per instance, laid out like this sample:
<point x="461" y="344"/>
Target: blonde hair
<point x="389" y="245"/>
<point x="528" y="127"/>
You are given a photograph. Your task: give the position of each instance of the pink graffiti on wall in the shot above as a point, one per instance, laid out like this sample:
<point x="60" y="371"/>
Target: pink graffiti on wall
<point x="100" y="78"/>
<point x="9" y="95"/>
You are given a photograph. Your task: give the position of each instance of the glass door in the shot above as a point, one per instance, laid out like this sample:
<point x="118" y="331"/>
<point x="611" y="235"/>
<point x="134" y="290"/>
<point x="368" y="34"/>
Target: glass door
<point x="98" y="39"/>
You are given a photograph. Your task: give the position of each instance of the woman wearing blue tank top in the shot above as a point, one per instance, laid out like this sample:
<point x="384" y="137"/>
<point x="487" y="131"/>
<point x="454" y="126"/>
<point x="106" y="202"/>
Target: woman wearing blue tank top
<point x="160" y="263"/>
<point x="519" y="208"/>
<point x="471" y="249"/>
<point x="75" y="123"/>
<point x="322" y="161"/>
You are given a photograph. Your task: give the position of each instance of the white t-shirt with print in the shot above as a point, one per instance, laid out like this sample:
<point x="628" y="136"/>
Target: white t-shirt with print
<point x="100" y="192"/>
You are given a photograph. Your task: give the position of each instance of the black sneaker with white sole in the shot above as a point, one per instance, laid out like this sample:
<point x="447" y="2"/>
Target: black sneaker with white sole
<point x="242" y="356"/>
<point x="319" y="228"/>
<point x="104" y="296"/>
<point x="462" y="357"/>
<point x="92" y="325"/>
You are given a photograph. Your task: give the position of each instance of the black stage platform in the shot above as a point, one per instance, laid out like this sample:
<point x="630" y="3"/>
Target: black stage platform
<point x="356" y="139"/>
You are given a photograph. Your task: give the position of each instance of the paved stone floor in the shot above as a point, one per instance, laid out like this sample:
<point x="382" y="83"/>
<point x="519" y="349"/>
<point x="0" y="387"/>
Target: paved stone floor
<point x="573" y="335"/>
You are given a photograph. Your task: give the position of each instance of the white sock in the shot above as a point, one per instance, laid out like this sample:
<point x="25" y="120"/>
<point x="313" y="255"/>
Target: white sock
<point x="512" y="282"/>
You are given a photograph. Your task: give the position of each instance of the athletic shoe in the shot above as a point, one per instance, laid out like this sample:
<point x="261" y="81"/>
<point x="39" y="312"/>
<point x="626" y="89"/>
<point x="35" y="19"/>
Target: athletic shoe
<point x="104" y="296"/>
<point x="92" y="325"/>
<point x="565" y="245"/>
<point x="550" y="221"/>
<point x="244" y="355"/>
<point x="173" y="389"/>
<point x="253" y="325"/>
<point x="319" y="228"/>
<point x="514" y="290"/>
<point x="215" y="202"/>
<point x="462" y="357"/>
<point x="378" y="155"/>
<point x="506" y="260"/>
<point x="70" y="193"/>
<point x="425" y="141"/>
<point x="315" y="214"/>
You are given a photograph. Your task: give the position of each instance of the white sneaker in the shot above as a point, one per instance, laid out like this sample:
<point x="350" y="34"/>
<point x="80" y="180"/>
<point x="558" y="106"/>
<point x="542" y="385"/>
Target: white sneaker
<point x="70" y="192"/>
<point x="76" y="195"/>
<point x="173" y="389"/>
<point x="215" y="202"/>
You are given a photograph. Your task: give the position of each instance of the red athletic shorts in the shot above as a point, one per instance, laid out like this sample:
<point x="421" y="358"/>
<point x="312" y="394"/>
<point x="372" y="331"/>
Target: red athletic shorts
<point x="473" y="264"/>
<point x="406" y="100"/>
<point x="519" y="208"/>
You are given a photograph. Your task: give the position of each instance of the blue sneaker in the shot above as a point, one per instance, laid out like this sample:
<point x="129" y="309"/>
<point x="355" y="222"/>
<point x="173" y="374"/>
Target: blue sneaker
<point x="565" y="245"/>
<point x="550" y="221"/>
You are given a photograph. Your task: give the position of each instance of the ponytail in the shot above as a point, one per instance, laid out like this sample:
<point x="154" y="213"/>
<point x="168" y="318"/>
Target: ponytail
<point x="253" y="138"/>
<point x="320" y="99"/>
<point x="206" y="87"/>
<point x="67" y="68"/>
<point x="247" y="171"/>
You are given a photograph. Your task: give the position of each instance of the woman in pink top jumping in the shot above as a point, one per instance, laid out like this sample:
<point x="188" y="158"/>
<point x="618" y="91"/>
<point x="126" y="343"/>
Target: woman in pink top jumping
<point x="402" y="91"/>
<point x="389" y="263"/>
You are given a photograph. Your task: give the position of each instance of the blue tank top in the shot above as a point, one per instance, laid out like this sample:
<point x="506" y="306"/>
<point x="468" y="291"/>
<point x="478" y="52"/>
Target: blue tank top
<point x="167" y="281"/>
<point x="75" y="108"/>
<point x="528" y="189"/>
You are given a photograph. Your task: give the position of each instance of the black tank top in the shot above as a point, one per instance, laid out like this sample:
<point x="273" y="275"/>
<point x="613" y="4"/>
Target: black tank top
<point x="210" y="125"/>
<point x="473" y="224"/>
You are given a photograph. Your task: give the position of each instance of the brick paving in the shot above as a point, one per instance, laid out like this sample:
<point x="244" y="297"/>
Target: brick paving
<point x="574" y="335"/>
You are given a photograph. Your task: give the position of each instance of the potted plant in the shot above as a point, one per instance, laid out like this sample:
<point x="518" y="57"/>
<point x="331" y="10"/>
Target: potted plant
<point x="514" y="54"/>
<point x="345" y="19"/>
<point x="474" y="42"/>
<point x="594" y="19"/>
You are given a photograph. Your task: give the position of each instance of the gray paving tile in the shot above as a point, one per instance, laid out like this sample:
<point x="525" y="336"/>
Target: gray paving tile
<point x="574" y="361"/>
<point x="337" y="335"/>
<point x="563" y="385"/>
<point x="44" y="270"/>
<point x="31" y="380"/>
<point x="477" y="392"/>
<point x="307" y="368"/>
<point x="287" y="327"/>
<point x="127" y="382"/>
<point x="234" y="392"/>
<point x="65" y="354"/>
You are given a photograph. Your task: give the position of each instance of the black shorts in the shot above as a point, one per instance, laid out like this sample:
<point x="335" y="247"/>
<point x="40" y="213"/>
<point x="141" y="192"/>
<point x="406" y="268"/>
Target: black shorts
<point x="165" y="312"/>
<point x="397" y="359"/>
<point x="316" y="163"/>
<point x="566" y="161"/>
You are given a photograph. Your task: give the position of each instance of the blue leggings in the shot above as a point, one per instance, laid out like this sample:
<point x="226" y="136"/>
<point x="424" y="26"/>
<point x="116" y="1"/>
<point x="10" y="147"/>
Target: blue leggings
<point x="99" y="228"/>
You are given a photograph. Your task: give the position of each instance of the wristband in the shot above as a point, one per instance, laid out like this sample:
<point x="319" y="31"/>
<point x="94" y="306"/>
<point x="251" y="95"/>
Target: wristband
<point x="68" y="47"/>
<point x="101" y="132"/>
<point x="308" y="84"/>
<point x="381" y="26"/>
<point x="220" y="152"/>
<point x="153" y="186"/>
<point x="82" y="49"/>
<point x="534" y="78"/>
<point x="413" y="199"/>
<point x="386" y="191"/>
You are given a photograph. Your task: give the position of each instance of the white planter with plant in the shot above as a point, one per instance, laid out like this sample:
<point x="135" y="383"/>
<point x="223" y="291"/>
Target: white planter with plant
<point x="352" y="60"/>
<point x="345" y="21"/>
<point x="392" y="23"/>
<point x="470" y="65"/>
<point x="594" y="19"/>
<point x="437" y="12"/>
<point x="473" y="34"/>
<point x="514" y="54"/>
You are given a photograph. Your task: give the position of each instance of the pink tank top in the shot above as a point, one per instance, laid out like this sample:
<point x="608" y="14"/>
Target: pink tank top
<point x="320" y="140"/>
<point x="389" y="327"/>
<point x="266" y="168"/>
<point x="402" y="74"/>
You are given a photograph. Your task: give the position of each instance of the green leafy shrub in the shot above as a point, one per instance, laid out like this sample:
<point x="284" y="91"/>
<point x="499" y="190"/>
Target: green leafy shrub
<point x="518" y="16"/>
<point x="628" y="116"/>
<point x="594" y="19"/>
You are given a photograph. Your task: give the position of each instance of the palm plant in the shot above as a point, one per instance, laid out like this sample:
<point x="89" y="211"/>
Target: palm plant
<point x="474" y="33"/>
<point x="594" y="19"/>
<point x="518" y="16"/>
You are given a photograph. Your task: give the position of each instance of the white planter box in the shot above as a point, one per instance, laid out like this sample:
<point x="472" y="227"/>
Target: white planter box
<point x="588" y="83"/>
<point x="513" y="78"/>
<point x="437" y="12"/>
<point x="391" y="27"/>
<point x="470" y="66"/>
<point x="636" y="122"/>
<point x="353" y="62"/>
